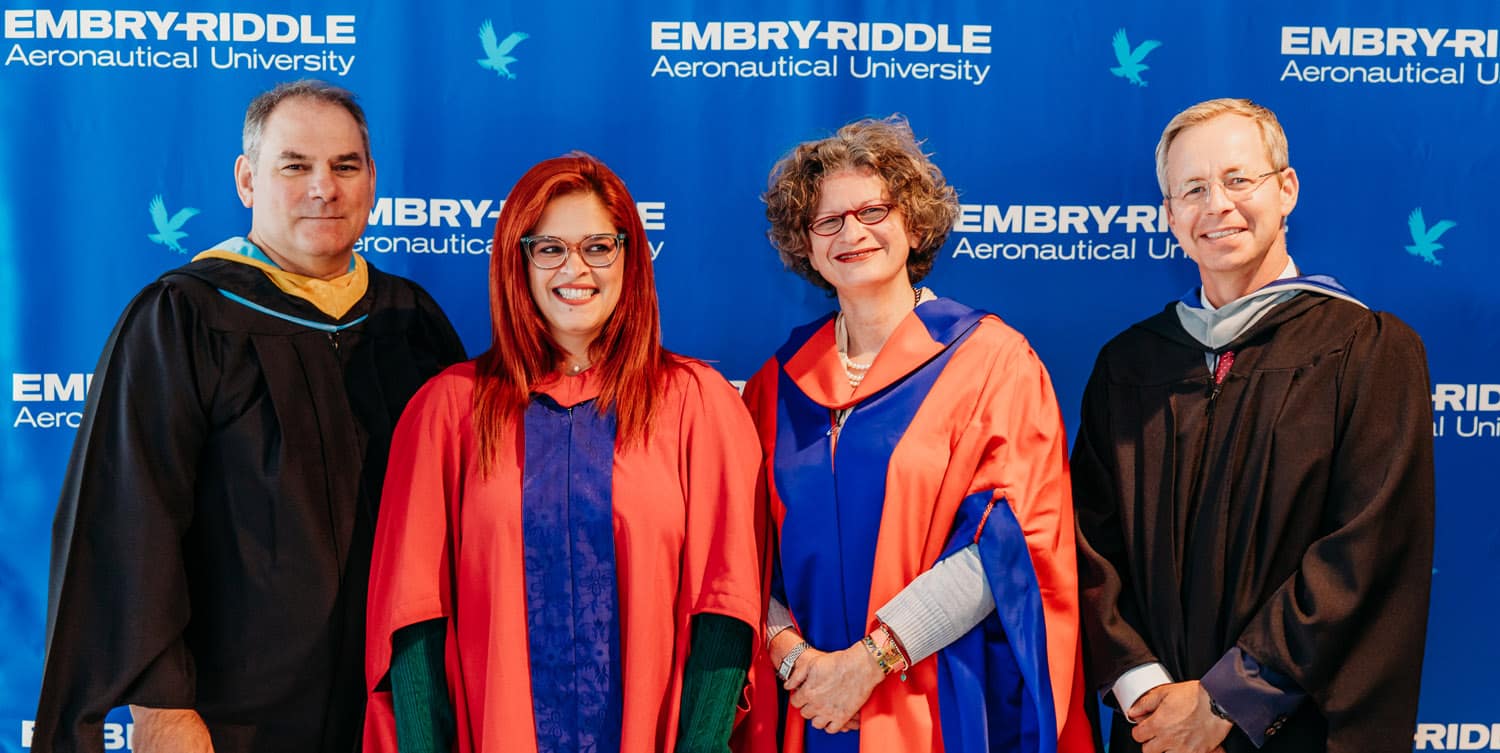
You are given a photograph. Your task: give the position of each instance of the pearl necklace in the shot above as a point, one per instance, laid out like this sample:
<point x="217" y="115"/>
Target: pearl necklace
<point x="854" y="370"/>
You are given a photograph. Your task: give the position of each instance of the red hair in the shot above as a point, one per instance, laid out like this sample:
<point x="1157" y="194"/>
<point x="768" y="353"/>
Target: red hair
<point x="628" y="353"/>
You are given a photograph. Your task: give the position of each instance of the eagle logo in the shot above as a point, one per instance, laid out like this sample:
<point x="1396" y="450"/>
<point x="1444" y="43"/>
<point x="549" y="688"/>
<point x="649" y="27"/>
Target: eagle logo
<point x="1424" y="239"/>
<point x="497" y="54"/>
<point x="169" y="231"/>
<point x="1131" y="67"/>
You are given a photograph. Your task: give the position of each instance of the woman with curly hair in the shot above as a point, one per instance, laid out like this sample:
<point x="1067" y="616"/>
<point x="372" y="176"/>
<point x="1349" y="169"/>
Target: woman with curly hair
<point x="923" y="571"/>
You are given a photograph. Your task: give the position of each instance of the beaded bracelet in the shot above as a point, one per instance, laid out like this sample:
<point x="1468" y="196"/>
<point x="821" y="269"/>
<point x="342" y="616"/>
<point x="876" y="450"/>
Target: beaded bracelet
<point x="889" y="658"/>
<point x="900" y="647"/>
<point x="885" y="668"/>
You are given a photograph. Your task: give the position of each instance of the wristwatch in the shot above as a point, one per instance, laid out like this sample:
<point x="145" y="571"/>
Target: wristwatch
<point x="789" y="661"/>
<point x="1217" y="710"/>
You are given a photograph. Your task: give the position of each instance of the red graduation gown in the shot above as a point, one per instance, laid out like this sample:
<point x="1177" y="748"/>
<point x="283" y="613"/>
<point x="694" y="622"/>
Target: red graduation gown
<point x="449" y="545"/>
<point x="989" y="424"/>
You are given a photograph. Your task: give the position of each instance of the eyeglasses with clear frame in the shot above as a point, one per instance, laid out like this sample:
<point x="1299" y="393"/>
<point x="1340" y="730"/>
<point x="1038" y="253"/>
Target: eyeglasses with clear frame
<point x="870" y="214"/>
<point x="1236" y="187"/>
<point x="551" y="252"/>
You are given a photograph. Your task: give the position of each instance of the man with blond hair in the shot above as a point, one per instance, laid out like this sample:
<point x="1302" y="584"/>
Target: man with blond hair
<point x="1253" y="479"/>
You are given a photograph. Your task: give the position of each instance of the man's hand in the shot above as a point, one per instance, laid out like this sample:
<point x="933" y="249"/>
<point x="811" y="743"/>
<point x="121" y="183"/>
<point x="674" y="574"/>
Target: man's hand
<point x="1176" y="718"/>
<point x="830" y="688"/>
<point x="169" y="731"/>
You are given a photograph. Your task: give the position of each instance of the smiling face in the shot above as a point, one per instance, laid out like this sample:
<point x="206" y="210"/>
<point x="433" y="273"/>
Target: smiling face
<point x="1238" y="244"/>
<point x="576" y="300"/>
<point x="310" y="187"/>
<point x="859" y="258"/>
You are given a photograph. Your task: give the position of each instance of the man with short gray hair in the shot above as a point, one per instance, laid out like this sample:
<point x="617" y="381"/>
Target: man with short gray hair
<point x="1253" y="479"/>
<point x="212" y="544"/>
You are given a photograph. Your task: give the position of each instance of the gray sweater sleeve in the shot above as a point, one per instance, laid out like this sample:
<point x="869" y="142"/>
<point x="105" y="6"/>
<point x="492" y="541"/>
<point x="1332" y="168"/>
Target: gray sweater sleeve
<point x="778" y="618"/>
<point x="932" y="611"/>
<point x="941" y="605"/>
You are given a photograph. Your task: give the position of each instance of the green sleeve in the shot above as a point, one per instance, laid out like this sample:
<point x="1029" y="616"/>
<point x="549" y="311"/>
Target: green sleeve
<point x="419" y="689"/>
<point x="718" y="658"/>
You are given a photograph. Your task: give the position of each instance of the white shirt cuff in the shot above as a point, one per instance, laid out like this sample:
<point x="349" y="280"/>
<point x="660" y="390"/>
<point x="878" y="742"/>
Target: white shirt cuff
<point x="1135" y="682"/>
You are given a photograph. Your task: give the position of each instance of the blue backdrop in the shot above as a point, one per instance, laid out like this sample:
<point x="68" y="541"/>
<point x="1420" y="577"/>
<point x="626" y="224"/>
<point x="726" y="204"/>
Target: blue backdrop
<point x="1044" y="117"/>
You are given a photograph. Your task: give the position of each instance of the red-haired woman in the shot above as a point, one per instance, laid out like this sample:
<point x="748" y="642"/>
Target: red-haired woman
<point x="565" y="552"/>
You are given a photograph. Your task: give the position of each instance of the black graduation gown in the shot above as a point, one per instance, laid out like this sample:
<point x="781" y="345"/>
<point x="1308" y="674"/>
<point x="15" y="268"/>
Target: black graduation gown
<point x="1291" y="515"/>
<point x="212" y="543"/>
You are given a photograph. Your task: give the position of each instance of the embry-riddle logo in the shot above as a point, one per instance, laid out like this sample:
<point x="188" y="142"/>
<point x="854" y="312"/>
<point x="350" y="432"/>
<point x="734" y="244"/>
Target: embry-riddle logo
<point x="1131" y="67"/>
<point x="169" y="231"/>
<point x="497" y="56"/>
<point x="1424" y="239"/>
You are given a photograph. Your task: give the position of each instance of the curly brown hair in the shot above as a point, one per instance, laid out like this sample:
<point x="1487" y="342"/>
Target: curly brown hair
<point x="889" y="149"/>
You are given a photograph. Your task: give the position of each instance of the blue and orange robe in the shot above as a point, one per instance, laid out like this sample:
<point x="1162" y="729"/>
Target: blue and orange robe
<point x="568" y="576"/>
<point x="953" y="438"/>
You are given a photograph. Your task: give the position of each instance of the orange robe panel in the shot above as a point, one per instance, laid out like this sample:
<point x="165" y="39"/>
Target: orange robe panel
<point x="449" y="545"/>
<point x="990" y="422"/>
